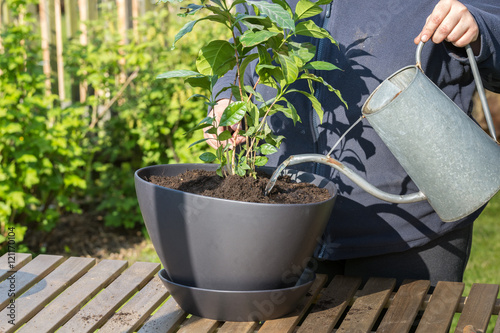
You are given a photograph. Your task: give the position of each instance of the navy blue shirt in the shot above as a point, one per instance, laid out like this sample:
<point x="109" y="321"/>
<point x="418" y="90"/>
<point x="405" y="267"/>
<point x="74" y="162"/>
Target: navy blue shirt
<point x="375" y="40"/>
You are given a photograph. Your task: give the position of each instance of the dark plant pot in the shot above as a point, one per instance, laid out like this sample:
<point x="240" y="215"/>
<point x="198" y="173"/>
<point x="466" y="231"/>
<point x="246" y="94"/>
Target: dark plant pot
<point x="219" y="244"/>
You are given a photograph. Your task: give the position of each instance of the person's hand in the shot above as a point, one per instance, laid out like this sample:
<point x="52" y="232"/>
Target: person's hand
<point x="217" y="112"/>
<point x="450" y="21"/>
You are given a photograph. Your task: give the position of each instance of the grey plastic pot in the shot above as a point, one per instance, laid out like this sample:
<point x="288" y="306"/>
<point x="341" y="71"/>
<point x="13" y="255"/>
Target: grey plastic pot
<point x="212" y="243"/>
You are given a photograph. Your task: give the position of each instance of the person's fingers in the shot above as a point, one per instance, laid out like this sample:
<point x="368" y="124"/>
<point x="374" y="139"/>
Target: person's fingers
<point x="419" y="37"/>
<point x="465" y="32"/>
<point x="447" y="25"/>
<point x="434" y="20"/>
<point x="451" y="21"/>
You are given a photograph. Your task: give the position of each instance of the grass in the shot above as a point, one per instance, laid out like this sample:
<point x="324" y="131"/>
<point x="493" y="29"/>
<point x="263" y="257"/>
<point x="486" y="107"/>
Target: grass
<point x="484" y="262"/>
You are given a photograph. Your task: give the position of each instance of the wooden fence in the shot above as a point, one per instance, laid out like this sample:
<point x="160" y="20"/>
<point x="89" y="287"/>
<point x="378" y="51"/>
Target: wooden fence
<point x="51" y="15"/>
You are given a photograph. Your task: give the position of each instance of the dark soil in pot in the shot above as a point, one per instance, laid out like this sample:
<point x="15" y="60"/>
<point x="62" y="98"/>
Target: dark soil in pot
<point x="247" y="189"/>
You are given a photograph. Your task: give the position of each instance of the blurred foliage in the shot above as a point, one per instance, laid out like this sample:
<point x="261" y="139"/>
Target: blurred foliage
<point x="55" y="160"/>
<point x="41" y="157"/>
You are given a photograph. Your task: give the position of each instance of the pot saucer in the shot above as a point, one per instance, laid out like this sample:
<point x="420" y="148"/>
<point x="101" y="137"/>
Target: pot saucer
<point x="241" y="305"/>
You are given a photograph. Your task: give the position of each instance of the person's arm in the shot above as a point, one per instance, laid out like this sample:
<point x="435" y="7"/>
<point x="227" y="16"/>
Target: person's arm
<point x="475" y="23"/>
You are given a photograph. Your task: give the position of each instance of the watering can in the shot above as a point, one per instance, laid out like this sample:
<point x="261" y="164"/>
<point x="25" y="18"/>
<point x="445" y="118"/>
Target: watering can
<point x="453" y="162"/>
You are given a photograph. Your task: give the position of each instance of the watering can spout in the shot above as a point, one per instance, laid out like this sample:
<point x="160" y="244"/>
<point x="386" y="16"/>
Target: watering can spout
<point x="358" y="180"/>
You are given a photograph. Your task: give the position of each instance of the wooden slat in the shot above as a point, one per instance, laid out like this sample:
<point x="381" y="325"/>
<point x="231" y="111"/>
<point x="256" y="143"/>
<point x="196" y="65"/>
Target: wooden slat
<point x="59" y="49"/>
<point x="148" y="5"/>
<point x="45" y="33"/>
<point x="478" y="307"/>
<point x="46" y="290"/>
<point x="92" y="10"/>
<point x="101" y="307"/>
<point x="439" y="312"/>
<point x="368" y="306"/>
<point x="404" y="308"/>
<point x="10" y="263"/>
<point x="166" y="319"/>
<point x="121" y="7"/>
<point x="135" y="15"/>
<point x="27" y="276"/>
<point x="71" y="15"/>
<point x="138" y="309"/>
<point x="240" y="327"/>
<point x="290" y="321"/>
<point x="83" y="10"/>
<point x="331" y="304"/>
<point x="73" y="298"/>
<point x="198" y="325"/>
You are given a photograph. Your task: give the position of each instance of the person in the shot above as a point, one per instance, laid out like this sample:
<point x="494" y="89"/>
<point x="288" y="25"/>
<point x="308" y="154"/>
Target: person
<point x="367" y="236"/>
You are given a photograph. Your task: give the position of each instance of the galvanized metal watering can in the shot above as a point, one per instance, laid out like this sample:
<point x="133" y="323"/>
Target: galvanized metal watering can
<point x="454" y="163"/>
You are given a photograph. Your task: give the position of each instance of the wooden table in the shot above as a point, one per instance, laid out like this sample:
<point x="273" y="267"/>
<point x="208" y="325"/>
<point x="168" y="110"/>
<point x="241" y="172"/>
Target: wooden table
<point x="79" y="295"/>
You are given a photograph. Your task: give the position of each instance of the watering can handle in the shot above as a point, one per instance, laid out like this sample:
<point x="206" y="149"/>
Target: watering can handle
<point x="477" y="79"/>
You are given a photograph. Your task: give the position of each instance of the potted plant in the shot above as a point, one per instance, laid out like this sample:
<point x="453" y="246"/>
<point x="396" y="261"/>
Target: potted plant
<point x="216" y="251"/>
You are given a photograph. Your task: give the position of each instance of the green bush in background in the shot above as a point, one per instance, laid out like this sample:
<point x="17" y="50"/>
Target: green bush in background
<point x="41" y="157"/>
<point x="55" y="160"/>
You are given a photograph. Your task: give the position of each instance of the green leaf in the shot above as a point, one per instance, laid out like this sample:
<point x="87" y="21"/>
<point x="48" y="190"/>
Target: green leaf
<point x="16" y="199"/>
<point x="314" y="101"/>
<point x="208" y="157"/>
<point x="276" y="13"/>
<point x="74" y="180"/>
<point x="178" y="73"/>
<point x="250" y="38"/>
<point x="306" y="9"/>
<point x="216" y="58"/>
<point x="310" y="29"/>
<point x="197" y="142"/>
<point x="203" y="82"/>
<point x="187" y="28"/>
<point x="310" y="76"/>
<point x="226" y="135"/>
<point x="198" y="96"/>
<point x="190" y="9"/>
<point x="304" y="51"/>
<point x="252" y="26"/>
<point x="233" y="114"/>
<point x="258" y="97"/>
<point x="289" y="111"/>
<point x="248" y="59"/>
<point x="27" y="158"/>
<point x="205" y="122"/>
<point x="13" y="128"/>
<point x="320" y="66"/>
<point x="31" y="178"/>
<point x="290" y="69"/>
<point x="253" y="117"/>
<point x="275" y="140"/>
<point x="261" y="160"/>
<point x="267" y="149"/>
<point x="264" y="56"/>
